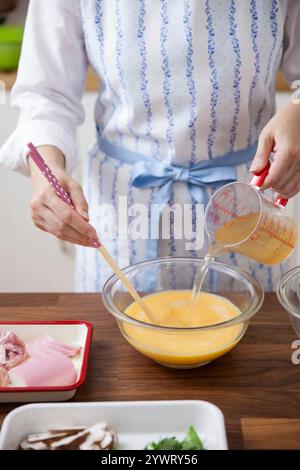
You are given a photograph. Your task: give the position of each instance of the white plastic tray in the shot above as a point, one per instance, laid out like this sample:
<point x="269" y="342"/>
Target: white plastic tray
<point x="70" y="332"/>
<point x="136" y="423"/>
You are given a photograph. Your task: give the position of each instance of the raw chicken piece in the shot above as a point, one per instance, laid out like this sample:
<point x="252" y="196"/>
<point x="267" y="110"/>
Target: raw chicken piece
<point x="68" y="349"/>
<point x="12" y="350"/>
<point x="48" y="345"/>
<point x="4" y="377"/>
<point x="55" y="370"/>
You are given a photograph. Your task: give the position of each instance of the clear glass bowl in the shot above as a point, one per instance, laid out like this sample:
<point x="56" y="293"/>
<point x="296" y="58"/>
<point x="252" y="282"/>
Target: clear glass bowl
<point x="175" y="346"/>
<point x="288" y="294"/>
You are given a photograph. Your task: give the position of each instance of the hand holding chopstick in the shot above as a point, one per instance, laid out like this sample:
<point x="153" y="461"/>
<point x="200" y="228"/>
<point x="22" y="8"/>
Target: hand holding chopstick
<point x="49" y="212"/>
<point x="71" y="218"/>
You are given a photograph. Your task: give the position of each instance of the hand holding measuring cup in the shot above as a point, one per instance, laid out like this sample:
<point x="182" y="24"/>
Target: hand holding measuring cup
<point x="240" y="218"/>
<point x="281" y="137"/>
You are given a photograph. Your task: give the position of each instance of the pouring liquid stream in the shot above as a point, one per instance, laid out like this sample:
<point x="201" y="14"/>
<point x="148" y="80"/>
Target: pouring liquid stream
<point x="214" y="249"/>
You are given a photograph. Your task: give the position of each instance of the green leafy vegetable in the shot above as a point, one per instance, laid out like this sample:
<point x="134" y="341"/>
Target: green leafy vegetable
<point x="190" y="442"/>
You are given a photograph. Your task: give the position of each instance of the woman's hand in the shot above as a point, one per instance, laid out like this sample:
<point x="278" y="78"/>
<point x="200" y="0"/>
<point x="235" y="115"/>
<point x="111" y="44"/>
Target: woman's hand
<point x="49" y="213"/>
<point x="282" y="136"/>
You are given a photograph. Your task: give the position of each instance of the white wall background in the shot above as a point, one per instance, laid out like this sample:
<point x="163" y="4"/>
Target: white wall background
<point x="30" y="260"/>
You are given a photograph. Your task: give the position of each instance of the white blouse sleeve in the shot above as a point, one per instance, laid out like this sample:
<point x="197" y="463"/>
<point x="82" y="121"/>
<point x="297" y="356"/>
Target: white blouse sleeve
<point x="50" y="83"/>
<point x="291" y="48"/>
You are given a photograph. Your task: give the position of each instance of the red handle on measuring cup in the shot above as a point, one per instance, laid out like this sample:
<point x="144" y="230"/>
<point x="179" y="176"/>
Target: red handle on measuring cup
<point x="258" y="179"/>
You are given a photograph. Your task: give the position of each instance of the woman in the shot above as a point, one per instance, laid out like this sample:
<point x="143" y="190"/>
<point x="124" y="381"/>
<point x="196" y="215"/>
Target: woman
<point x="182" y="82"/>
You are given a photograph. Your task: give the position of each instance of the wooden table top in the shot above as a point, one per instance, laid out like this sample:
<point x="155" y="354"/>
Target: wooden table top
<point x="256" y="385"/>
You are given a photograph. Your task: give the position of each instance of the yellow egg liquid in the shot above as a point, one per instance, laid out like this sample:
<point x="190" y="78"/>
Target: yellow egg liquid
<point x="272" y="242"/>
<point x="184" y="348"/>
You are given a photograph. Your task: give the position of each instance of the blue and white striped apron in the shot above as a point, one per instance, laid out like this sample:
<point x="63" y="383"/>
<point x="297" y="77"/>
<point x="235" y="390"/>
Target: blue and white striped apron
<point x="182" y="81"/>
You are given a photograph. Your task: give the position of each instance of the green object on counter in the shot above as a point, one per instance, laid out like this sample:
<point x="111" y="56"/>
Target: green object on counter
<point x="191" y="442"/>
<point x="10" y="46"/>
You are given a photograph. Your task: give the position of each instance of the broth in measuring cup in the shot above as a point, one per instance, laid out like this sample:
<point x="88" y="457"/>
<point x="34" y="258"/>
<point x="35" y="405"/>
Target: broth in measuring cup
<point x="271" y="242"/>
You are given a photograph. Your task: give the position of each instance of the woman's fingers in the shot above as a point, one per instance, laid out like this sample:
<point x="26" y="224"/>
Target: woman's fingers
<point x="287" y="182"/>
<point x="69" y="216"/>
<point x="78" y="199"/>
<point x="278" y="178"/>
<point x="40" y="223"/>
<point x="278" y="169"/>
<point x="283" y="171"/>
<point x="291" y="188"/>
<point x="49" y="222"/>
<point x="264" y="149"/>
<point x="283" y="174"/>
<point x="62" y="230"/>
<point x="60" y="219"/>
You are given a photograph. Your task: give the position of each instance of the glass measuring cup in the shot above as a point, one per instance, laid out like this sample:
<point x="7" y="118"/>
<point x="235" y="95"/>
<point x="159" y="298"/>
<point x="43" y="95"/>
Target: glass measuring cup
<point x="240" y="218"/>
